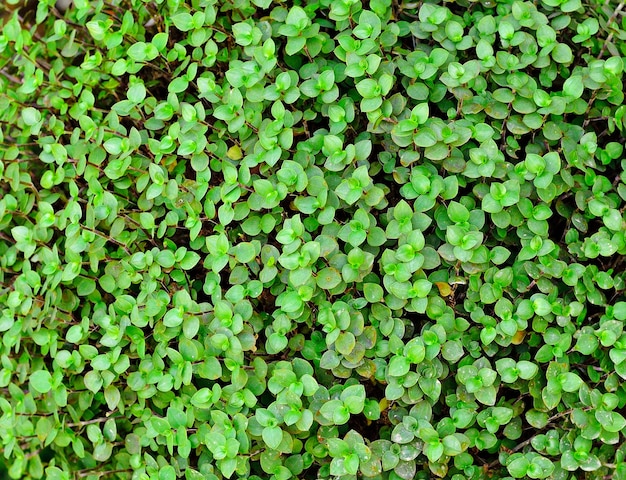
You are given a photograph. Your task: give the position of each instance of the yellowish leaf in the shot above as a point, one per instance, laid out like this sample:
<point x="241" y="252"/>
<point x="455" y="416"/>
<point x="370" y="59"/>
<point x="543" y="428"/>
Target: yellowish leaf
<point x="234" y="153"/>
<point x="518" y="337"/>
<point x="444" y="289"/>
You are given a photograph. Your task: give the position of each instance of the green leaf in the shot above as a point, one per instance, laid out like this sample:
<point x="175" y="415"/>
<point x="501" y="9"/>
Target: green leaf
<point x="570" y="5"/>
<point x="112" y="396"/>
<point x="297" y="17"/>
<point x="41" y="381"/>
<point x="272" y="436"/>
<point x="173" y="318"/>
<point x="328" y="278"/>
<point x="146" y="220"/>
<point x="587" y="344"/>
<point x="167" y="473"/>
<point x="573" y="86"/>
<point x="21" y="234"/>
<point x="345" y="343"/>
<point x="424" y="138"/>
<point x="527" y="370"/>
<point x="202" y="398"/>
<point x="244" y="252"/>
<point x="31" y="116"/>
<point x="102" y="452"/>
<point x="451" y="445"/>
<point x="183" y="21"/>
<point x="189" y="261"/>
<point x="176" y="417"/>
<point x="351" y="464"/>
<point x="434" y="450"/>
<point x="373" y="292"/>
<point x="536" y="418"/>
<point x="458" y="213"/>
<point x="551" y="397"/>
<point x="487" y="395"/>
<point x="398" y="366"/>
<point x="353" y="398"/>
<point x="610" y="421"/>
<point x="371" y="409"/>
<point x="570" y="382"/>
<point x="368" y="88"/>
<point x="562" y="53"/>
<point x="93" y="381"/>
<point x="517" y="465"/>
<point x="420" y="113"/>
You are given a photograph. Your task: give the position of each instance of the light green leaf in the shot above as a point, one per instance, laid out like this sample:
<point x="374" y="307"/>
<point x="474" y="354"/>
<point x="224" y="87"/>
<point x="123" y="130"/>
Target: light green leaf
<point x="41" y="381"/>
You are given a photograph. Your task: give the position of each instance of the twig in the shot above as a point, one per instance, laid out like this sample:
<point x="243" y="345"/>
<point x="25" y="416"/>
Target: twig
<point x="90" y="422"/>
<point x="93" y="471"/>
<point x="608" y="24"/>
<point x="107" y="237"/>
<point x="529" y="440"/>
<point x="604" y="45"/>
<point x="10" y="77"/>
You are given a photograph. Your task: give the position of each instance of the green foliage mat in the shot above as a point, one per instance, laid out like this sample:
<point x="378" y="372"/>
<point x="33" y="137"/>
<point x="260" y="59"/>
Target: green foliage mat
<point x="334" y="239"/>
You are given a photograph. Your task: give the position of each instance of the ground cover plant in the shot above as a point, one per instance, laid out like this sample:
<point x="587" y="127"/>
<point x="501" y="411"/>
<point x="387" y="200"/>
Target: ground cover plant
<point x="322" y="239"/>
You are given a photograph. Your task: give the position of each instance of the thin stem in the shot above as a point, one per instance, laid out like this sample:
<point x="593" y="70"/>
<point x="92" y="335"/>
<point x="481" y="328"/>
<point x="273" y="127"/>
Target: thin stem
<point x="93" y="471"/>
<point x="529" y="440"/>
<point x="608" y="24"/>
<point x="10" y="77"/>
<point x="107" y="237"/>
<point x="89" y="422"/>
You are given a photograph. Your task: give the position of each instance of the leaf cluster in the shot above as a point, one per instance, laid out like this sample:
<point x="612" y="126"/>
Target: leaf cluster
<point x="318" y="239"/>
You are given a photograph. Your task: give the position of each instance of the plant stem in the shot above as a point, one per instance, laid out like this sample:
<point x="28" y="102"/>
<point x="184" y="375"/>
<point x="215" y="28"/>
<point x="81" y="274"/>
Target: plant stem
<point x="608" y="24"/>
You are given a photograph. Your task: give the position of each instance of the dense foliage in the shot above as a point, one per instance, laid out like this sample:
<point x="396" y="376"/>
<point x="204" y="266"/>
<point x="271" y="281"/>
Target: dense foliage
<point x="325" y="239"/>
